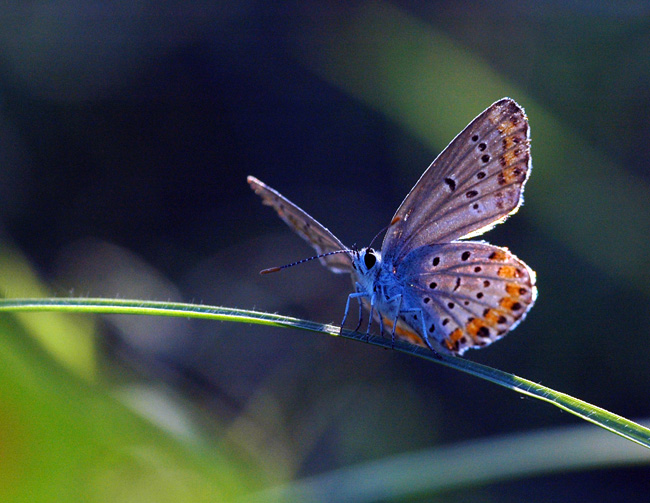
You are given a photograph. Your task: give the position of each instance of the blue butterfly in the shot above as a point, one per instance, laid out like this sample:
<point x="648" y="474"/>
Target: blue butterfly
<point x="428" y="285"/>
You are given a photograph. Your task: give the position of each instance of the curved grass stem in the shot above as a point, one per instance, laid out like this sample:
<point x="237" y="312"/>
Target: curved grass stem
<point x="596" y="415"/>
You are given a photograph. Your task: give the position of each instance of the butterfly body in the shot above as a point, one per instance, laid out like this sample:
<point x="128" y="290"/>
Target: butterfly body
<point x="381" y="290"/>
<point x="428" y="285"/>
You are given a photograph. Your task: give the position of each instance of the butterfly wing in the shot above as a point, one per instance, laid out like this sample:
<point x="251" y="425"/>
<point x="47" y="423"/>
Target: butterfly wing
<point x="475" y="183"/>
<point x="470" y="293"/>
<point x="305" y="226"/>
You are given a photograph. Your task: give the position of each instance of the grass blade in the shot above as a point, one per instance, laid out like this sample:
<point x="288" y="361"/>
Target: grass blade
<point x="596" y="415"/>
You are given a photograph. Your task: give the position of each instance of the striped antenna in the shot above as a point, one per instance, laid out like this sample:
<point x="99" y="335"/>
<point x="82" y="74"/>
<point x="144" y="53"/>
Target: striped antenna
<point x="392" y="222"/>
<point x="276" y="269"/>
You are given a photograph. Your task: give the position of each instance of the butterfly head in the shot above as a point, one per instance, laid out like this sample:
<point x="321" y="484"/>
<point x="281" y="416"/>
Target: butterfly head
<point x="366" y="260"/>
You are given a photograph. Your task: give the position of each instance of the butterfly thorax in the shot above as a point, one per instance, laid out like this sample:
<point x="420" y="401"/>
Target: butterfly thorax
<point x="376" y="278"/>
<point x="383" y="294"/>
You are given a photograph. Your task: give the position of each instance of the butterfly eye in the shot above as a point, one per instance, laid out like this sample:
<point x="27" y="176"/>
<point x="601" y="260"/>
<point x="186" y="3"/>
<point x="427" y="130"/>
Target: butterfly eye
<point x="369" y="259"/>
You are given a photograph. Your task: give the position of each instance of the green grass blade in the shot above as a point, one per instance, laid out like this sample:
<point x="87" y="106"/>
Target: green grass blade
<point x="461" y="466"/>
<point x="596" y="415"/>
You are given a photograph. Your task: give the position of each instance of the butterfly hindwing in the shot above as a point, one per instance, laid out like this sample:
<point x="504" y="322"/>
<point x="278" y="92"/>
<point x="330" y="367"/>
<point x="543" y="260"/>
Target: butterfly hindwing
<point x="476" y="182"/>
<point x="318" y="236"/>
<point x="470" y="293"/>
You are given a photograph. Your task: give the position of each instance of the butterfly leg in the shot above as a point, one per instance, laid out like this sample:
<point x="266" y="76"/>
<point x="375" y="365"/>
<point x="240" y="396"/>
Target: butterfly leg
<point x="358" y="289"/>
<point x="372" y="312"/>
<point x="358" y="295"/>
<point x="419" y="312"/>
<point x="399" y="307"/>
<point x="425" y="337"/>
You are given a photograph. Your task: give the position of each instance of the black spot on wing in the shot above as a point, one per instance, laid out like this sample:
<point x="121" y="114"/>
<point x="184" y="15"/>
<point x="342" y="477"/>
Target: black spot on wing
<point x="451" y="183"/>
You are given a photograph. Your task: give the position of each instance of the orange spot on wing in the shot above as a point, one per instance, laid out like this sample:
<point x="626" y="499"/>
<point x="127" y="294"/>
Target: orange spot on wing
<point x="507" y="127"/>
<point x="492" y="317"/>
<point x="514" y="302"/>
<point x="508" y="142"/>
<point x="509" y="158"/>
<point x="474" y="326"/>
<point x="513" y="289"/>
<point x="508" y="303"/>
<point x="507" y="271"/>
<point x="511" y="174"/>
<point x="453" y="341"/>
<point x="498" y="255"/>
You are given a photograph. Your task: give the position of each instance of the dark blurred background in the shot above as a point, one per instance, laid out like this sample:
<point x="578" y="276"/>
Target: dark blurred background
<point x="126" y="134"/>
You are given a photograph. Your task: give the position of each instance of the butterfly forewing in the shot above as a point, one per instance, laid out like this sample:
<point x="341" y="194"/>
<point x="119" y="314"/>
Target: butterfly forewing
<point x="476" y="182"/>
<point x="305" y="226"/>
<point x="470" y="293"/>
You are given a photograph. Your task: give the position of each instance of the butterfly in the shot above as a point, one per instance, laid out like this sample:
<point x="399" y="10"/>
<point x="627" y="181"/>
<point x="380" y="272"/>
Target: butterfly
<point x="428" y="285"/>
